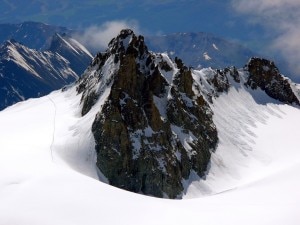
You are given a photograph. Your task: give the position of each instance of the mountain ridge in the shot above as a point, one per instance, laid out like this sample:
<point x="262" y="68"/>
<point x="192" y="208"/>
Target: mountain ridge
<point x="27" y="73"/>
<point x="154" y="106"/>
<point x="201" y="50"/>
<point x="34" y="35"/>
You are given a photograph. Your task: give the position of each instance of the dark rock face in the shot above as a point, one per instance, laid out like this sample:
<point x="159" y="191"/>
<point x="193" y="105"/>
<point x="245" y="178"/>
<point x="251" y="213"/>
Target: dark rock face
<point x="192" y="113"/>
<point x="220" y="81"/>
<point x="265" y="75"/>
<point x="151" y="132"/>
<point x="234" y="73"/>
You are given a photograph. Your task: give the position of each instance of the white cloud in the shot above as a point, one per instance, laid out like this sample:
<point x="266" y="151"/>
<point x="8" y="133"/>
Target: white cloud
<point x="258" y="6"/>
<point x="281" y="19"/>
<point x="98" y="37"/>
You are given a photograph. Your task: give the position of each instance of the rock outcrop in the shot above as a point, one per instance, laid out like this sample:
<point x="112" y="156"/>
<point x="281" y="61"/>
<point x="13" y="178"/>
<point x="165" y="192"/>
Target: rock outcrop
<point x="152" y="130"/>
<point x="265" y="75"/>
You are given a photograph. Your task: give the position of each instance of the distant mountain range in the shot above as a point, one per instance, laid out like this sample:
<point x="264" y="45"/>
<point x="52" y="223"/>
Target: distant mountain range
<point x="31" y="34"/>
<point x="27" y="73"/>
<point x="196" y="49"/>
<point x="201" y="50"/>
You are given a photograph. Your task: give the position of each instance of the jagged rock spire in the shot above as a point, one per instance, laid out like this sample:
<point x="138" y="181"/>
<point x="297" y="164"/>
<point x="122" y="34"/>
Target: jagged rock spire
<point x="127" y="43"/>
<point x="265" y="75"/>
<point x="152" y="129"/>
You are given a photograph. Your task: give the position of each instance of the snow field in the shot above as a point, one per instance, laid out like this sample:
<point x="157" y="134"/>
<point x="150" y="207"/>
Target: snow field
<point x="48" y="176"/>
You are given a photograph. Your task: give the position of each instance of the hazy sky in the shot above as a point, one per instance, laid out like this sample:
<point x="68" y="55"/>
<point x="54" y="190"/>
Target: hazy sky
<point x="159" y="16"/>
<point x="271" y="26"/>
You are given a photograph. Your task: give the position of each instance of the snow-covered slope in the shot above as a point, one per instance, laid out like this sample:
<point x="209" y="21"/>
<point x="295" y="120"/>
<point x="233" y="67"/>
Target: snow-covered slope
<point x="257" y="141"/>
<point x="44" y="157"/>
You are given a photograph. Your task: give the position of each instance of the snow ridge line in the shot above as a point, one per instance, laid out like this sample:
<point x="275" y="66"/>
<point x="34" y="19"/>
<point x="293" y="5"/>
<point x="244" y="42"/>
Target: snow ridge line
<point x="54" y="125"/>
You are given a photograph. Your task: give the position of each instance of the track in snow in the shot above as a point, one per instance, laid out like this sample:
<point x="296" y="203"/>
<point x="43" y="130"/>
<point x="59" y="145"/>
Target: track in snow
<point x="54" y="125"/>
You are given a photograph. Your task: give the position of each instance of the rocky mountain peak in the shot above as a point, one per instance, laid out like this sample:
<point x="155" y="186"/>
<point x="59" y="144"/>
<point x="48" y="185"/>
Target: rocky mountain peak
<point x="151" y="130"/>
<point x="265" y="75"/>
<point x="11" y="43"/>
<point x="153" y="126"/>
<point x="128" y="43"/>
